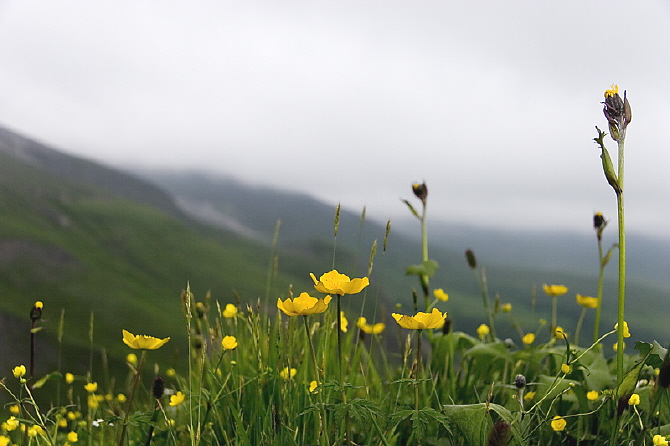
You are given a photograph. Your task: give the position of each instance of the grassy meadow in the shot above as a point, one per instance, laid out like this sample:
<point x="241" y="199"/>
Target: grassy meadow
<point x="317" y="352"/>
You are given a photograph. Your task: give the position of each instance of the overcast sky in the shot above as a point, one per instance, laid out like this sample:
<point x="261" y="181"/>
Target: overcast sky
<point x="493" y="104"/>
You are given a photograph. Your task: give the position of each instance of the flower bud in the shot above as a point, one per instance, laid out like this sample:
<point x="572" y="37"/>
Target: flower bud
<point x="159" y="388"/>
<point x="520" y="381"/>
<point x="470" y="256"/>
<point x="420" y="190"/>
<point x="36" y="312"/>
<point x="499" y="434"/>
<point x="617" y="111"/>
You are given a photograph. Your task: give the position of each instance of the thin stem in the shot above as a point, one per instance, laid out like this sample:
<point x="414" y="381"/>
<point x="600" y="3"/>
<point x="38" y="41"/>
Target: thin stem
<point x="601" y="278"/>
<point x="132" y="395"/>
<point x="554" y="311"/>
<point x="322" y="410"/>
<point x="579" y="325"/>
<point x="622" y="260"/>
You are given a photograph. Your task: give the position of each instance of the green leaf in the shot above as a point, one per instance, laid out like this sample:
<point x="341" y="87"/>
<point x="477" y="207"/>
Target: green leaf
<point x="53" y="375"/>
<point x="655" y="351"/>
<point x="412" y="210"/>
<point x="474" y="422"/>
<point x="629" y="382"/>
<point x="427" y="268"/>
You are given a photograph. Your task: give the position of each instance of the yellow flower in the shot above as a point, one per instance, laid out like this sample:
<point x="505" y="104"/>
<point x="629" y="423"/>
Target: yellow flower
<point x="528" y="338"/>
<point x="506" y="308"/>
<point x="121" y="398"/>
<point x="19" y="371"/>
<point x="626" y="333"/>
<point x="558" y="423"/>
<point x="529" y="396"/>
<point x="440" y="295"/>
<point x="615" y="346"/>
<point x="592" y="395"/>
<point x="35" y="430"/>
<point x="483" y="330"/>
<point x="566" y="368"/>
<point x="72" y="437"/>
<point x="336" y="283"/>
<point x="177" y="399"/>
<point x="69" y="378"/>
<point x="288" y="374"/>
<point x="11" y="424"/>
<point x="560" y="333"/>
<point x="614" y="89"/>
<point x="91" y="387"/>
<point x="170" y="373"/>
<point x="229" y="311"/>
<point x="39" y="305"/>
<point x="304" y="305"/>
<point x="587" y="301"/>
<point x="554" y="290"/>
<point x="131" y="358"/>
<point x="229" y="342"/>
<point x="142" y="342"/>
<point x="421" y="320"/>
<point x="313" y="387"/>
<point x="659" y="440"/>
<point x="344" y="323"/>
<point x="14" y="409"/>
<point x="634" y="400"/>
<point x="370" y="329"/>
<point x="4" y="441"/>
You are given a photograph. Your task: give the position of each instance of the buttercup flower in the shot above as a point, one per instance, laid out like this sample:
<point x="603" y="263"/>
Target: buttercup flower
<point x="506" y="308"/>
<point x="11" y="424"/>
<point x="421" y="320"/>
<point x="304" y="305"/>
<point x="344" y="323"/>
<point x="560" y="333"/>
<point x="377" y="328"/>
<point x="4" y="441"/>
<point x="529" y="396"/>
<point x="91" y="387"/>
<point x="558" y="423"/>
<point x="566" y="368"/>
<point x="131" y="358"/>
<point x="626" y="333"/>
<point x="19" y="371"/>
<point x="336" y="283"/>
<point x="229" y="342"/>
<point x="72" y="437"/>
<point x="69" y="378"/>
<point x="659" y="440"/>
<point x="313" y="387"/>
<point x="142" y="342"/>
<point x="14" y="409"/>
<point x="177" y="399"/>
<point x="483" y="330"/>
<point x="440" y="295"/>
<point x="229" y="311"/>
<point x="634" y="400"/>
<point x="35" y="430"/>
<point x="554" y="290"/>
<point x="587" y="301"/>
<point x="528" y="338"/>
<point x="592" y="395"/>
<point x="287" y="373"/>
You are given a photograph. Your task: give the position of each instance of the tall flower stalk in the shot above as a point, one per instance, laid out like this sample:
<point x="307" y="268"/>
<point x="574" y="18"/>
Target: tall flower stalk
<point x="599" y="224"/>
<point x="619" y="115"/>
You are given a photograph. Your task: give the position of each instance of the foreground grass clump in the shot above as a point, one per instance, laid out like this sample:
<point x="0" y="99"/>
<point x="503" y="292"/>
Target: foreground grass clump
<point x="303" y="374"/>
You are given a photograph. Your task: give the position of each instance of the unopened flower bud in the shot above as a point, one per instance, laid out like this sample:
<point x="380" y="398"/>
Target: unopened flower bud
<point x="159" y="388"/>
<point x="36" y="311"/>
<point x="520" y="381"/>
<point x="617" y="111"/>
<point x="420" y="190"/>
<point x="470" y="256"/>
<point x="446" y="328"/>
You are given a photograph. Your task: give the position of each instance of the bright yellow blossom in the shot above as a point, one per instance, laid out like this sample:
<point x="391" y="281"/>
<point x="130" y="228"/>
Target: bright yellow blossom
<point x="659" y="440"/>
<point x="377" y="328"/>
<point x="35" y="430"/>
<point x="506" y="308"/>
<point x="554" y="290"/>
<point x="143" y="342"/>
<point x="344" y="323"/>
<point x="560" y="333"/>
<point x="69" y="378"/>
<point x="72" y="437"/>
<point x="11" y="424"/>
<point x="177" y="399"/>
<point x="634" y="400"/>
<point x="592" y="395"/>
<point x="528" y="338"/>
<point x="304" y="305"/>
<point x="131" y="358"/>
<point x="558" y="423"/>
<point x="287" y="373"/>
<point x="566" y="368"/>
<point x="335" y="283"/>
<point x="483" y="330"/>
<point x="19" y="371"/>
<point x="313" y="387"/>
<point x="529" y="396"/>
<point x="440" y="295"/>
<point x="421" y="320"/>
<point x="14" y="409"/>
<point x="587" y="301"/>
<point x="121" y="398"/>
<point x="91" y="387"/>
<point x="229" y="342"/>
<point x="4" y="440"/>
<point x="626" y="333"/>
<point x="229" y="311"/>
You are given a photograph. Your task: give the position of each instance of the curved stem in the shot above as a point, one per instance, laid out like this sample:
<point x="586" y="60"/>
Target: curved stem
<point x="132" y="395"/>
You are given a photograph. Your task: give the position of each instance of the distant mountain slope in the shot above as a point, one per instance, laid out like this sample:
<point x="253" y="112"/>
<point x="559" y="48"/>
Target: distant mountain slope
<point x="79" y="170"/>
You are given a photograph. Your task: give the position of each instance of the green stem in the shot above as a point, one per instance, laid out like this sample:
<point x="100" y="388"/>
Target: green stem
<point x="622" y="260"/>
<point x="579" y="326"/>
<point x="554" y="311"/>
<point x="130" y="399"/>
<point x="322" y="410"/>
